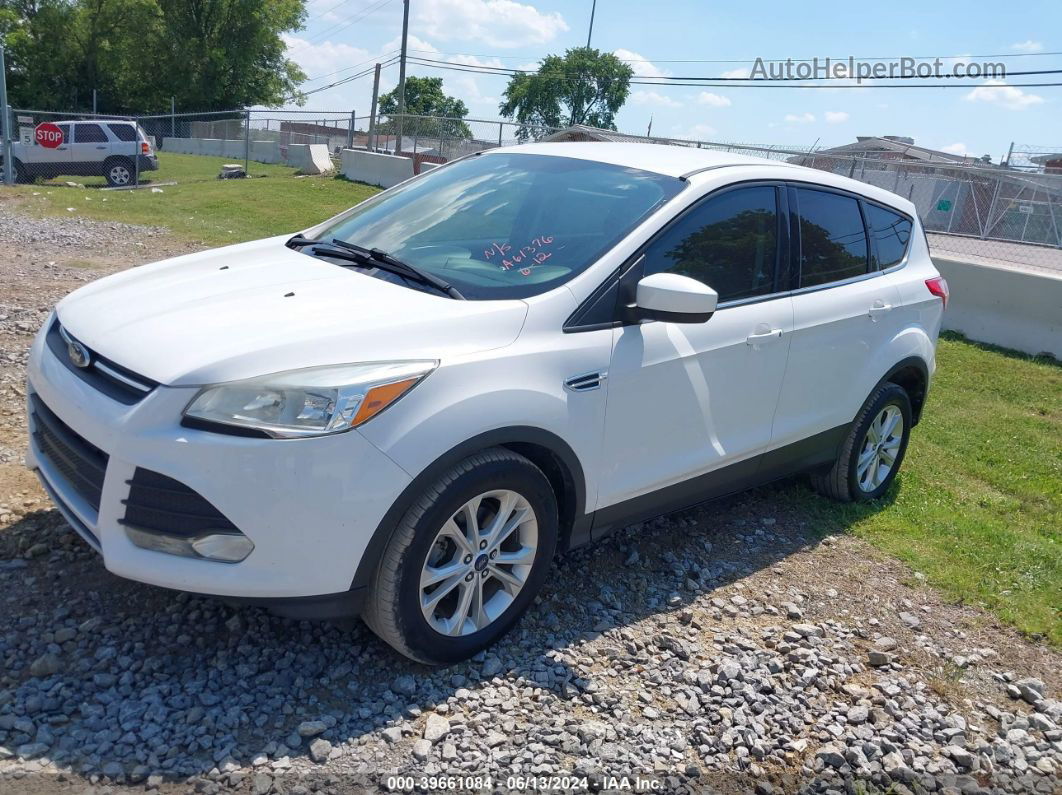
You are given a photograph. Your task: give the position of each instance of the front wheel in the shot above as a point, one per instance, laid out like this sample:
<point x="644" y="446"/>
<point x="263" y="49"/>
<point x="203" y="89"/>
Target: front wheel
<point x="874" y="449"/>
<point x="466" y="560"/>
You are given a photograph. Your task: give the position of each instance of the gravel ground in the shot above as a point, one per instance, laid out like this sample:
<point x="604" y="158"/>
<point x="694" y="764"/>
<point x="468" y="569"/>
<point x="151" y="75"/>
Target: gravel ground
<point x="725" y="648"/>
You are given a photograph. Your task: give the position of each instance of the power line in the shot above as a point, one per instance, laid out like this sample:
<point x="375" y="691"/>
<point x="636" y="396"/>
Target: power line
<point x="355" y="66"/>
<point x="964" y="56"/>
<point x="328" y="10"/>
<point x="710" y="82"/>
<point x="350" y="21"/>
<point x="349" y="79"/>
<point x="697" y="79"/>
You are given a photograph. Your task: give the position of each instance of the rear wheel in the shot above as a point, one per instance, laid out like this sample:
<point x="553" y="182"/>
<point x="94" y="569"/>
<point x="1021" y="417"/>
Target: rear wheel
<point x="466" y="560"/>
<point x="874" y="449"/>
<point x="118" y="172"/>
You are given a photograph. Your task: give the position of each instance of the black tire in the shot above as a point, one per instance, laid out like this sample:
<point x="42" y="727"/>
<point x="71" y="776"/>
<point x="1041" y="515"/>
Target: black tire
<point x="393" y="606"/>
<point x="842" y="482"/>
<point x="114" y="168"/>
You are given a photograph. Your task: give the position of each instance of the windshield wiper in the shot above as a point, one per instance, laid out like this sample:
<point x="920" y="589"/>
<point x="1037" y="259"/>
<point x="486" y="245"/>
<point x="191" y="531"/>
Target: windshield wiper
<point x="378" y="259"/>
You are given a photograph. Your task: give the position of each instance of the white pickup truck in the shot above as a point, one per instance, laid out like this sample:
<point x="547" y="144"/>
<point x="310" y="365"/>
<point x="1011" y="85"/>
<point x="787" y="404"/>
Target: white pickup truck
<point x="115" y="149"/>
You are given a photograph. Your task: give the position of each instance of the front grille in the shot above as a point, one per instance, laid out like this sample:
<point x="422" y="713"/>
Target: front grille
<point x="160" y="503"/>
<point x="113" y="380"/>
<point x="77" y="460"/>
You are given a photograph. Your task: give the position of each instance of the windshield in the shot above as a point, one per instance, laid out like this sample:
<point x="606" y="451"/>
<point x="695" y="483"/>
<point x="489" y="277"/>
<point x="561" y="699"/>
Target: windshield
<point x="506" y="225"/>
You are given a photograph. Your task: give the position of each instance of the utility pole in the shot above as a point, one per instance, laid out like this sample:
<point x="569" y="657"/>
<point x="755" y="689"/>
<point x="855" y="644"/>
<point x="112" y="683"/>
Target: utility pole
<point x="590" y="32"/>
<point x="402" y="75"/>
<point x="372" y="114"/>
<point x="5" y="126"/>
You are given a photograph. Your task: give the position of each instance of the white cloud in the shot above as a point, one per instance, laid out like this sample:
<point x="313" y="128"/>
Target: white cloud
<point x="324" y="57"/>
<point x="500" y="23"/>
<point x="695" y="133"/>
<point x="1028" y="46"/>
<point x="653" y="98"/>
<point x="641" y="66"/>
<point x="742" y="72"/>
<point x="715" y="100"/>
<point x="836" y="116"/>
<point x="799" y="118"/>
<point x="956" y="149"/>
<point x="997" y="92"/>
<point x="417" y="46"/>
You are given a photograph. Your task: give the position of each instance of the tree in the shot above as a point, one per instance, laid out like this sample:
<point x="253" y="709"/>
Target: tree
<point x="137" y="54"/>
<point x="585" y="86"/>
<point x="425" y="97"/>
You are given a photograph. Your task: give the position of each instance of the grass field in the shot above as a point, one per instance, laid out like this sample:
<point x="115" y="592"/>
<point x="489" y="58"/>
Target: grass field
<point x="977" y="507"/>
<point x="202" y="208"/>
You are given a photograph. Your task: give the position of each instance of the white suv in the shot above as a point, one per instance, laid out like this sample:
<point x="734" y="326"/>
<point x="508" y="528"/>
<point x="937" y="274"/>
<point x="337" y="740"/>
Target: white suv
<point x="407" y="410"/>
<point x="113" y="149"/>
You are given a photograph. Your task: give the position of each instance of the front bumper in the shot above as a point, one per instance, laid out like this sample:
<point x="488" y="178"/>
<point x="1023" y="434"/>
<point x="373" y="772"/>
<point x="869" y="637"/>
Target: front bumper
<point x="310" y="505"/>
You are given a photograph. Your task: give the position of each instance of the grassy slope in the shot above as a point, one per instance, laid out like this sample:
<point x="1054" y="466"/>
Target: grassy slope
<point x="202" y="208"/>
<point x="978" y="505"/>
<point x="977" y="508"/>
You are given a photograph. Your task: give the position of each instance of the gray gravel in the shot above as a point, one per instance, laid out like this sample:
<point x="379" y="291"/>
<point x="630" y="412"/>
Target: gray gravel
<point x="683" y="667"/>
<point x="18" y="228"/>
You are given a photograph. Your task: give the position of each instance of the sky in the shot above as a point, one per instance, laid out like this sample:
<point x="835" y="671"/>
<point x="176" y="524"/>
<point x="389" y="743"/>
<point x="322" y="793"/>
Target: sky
<point x="686" y="37"/>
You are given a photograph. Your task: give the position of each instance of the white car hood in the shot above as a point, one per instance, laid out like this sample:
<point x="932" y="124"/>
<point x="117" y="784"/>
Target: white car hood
<point x="260" y="307"/>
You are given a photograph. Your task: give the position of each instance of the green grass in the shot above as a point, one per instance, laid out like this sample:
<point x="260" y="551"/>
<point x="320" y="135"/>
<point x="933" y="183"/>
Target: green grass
<point x="203" y="209"/>
<point x="183" y="168"/>
<point x="977" y="507"/>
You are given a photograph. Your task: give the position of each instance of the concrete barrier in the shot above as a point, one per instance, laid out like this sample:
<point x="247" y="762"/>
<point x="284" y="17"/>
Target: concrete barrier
<point x="426" y="166"/>
<point x="261" y="151"/>
<point x="310" y="158"/>
<point x="375" y="168"/>
<point x="1007" y="306"/>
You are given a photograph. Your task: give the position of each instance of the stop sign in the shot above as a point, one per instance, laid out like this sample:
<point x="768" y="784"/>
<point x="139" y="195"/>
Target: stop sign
<point x="48" y="135"/>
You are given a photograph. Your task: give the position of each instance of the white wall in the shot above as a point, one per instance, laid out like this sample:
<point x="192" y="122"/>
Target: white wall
<point x="1019" y="309"/>
<point x="375" y="168"/>
<point x="261" y="151"/>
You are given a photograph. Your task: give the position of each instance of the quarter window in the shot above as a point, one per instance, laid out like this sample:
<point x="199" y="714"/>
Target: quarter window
<point x="123" y="132"/>
<point x="891" y="233"/>
<point x="89" y="134"/>
<point x="729" y="242"/>
<point x="833" y="242"/>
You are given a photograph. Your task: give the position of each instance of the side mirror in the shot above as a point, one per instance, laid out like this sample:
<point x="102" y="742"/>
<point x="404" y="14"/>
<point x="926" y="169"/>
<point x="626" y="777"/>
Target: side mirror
<point x="674" y="299"/>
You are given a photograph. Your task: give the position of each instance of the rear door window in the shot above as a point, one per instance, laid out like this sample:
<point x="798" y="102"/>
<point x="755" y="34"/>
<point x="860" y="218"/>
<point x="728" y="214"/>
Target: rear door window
<point x="833" y="241"/>
<point x="890" y="233"/>
<point x="88" y="133"/>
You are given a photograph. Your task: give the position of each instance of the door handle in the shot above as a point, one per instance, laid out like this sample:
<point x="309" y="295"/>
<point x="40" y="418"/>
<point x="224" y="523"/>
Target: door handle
<point x="879" y="308"/>
<point x="101" y="147"/>
<point x="764" y="337"/>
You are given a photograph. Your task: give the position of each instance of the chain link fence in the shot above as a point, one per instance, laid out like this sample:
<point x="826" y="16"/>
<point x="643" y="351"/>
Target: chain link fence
<point x="1010" y="213"/>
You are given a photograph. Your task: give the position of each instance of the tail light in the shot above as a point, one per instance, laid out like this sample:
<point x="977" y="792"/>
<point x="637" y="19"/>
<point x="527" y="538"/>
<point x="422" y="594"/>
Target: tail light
<point x="145" y="148"/>
<point x="939" y="287"/>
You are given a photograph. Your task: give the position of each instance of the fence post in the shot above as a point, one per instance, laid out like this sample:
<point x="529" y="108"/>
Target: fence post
<point x="5" y="123"/>
<point x="136" y="151"/>
<point x="247" y="142"/>
<point x="350" y="130"/>
<point x="500" y="128"/>
<point x="372" y="114"/>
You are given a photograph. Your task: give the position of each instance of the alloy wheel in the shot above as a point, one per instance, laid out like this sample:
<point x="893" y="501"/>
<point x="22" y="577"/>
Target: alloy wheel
<point x="119" y="175"/>
<point x="479" y="562"/>
<point x="881" y="446"/>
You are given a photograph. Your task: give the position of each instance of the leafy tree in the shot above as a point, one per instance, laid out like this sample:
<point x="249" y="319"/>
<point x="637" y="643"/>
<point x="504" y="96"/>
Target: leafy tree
<point x="585" y="86"/>
<point x="206" y="54"/>
<point x="425" y="97"/>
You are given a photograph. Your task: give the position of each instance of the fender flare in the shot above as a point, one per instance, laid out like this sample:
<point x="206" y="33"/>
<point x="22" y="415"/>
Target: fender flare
<point x="911" y="361"/>
<point x="499" y="437"/>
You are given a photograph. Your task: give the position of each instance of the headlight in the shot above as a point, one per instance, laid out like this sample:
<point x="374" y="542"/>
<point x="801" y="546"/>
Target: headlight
<point x="311" y="402"/>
